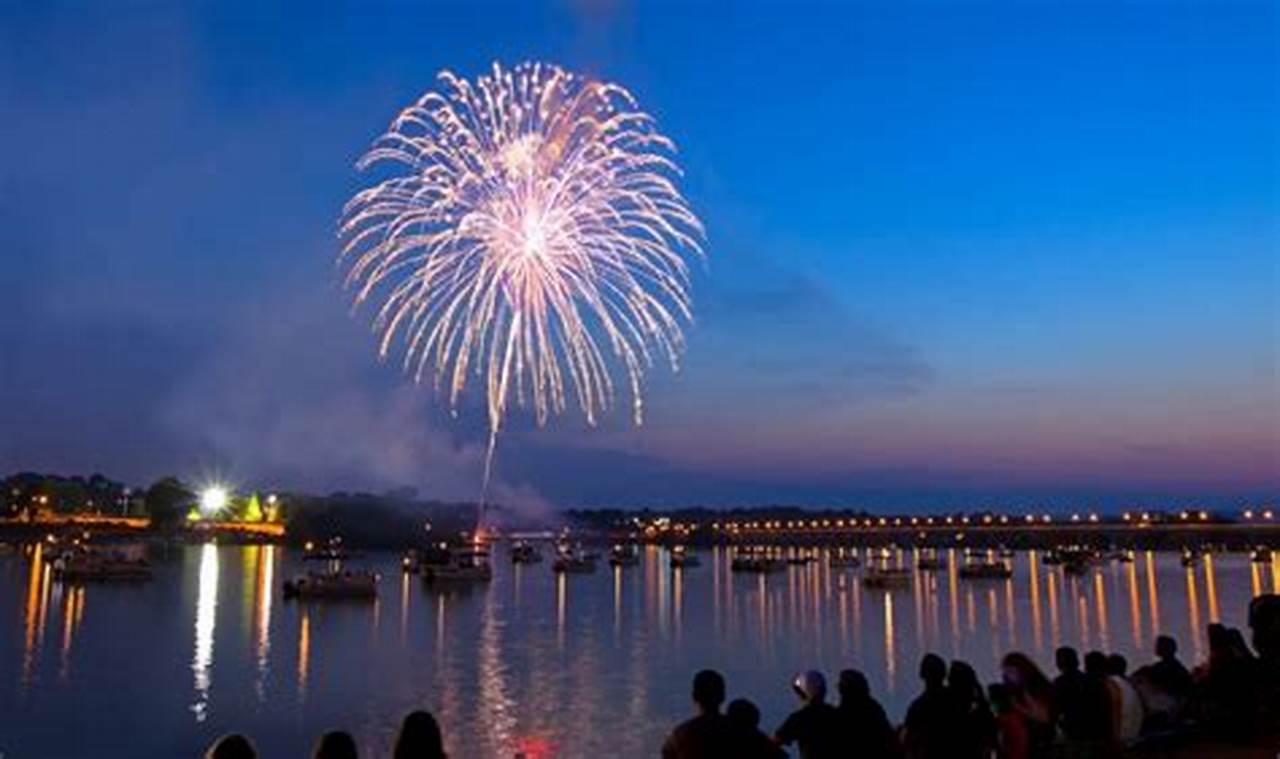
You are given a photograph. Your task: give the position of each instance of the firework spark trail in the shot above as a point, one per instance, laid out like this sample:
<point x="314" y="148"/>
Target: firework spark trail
<point x="531" y="235"/>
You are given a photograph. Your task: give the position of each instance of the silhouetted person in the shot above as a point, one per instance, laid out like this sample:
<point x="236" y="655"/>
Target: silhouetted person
<point x="419" y="738"/>
<point x="862" y="719"/>
<point x="814" y="727"/>
<point x="1013" y="737"/>
<point x="749" y="741"/>
<point x="1165" y="685"/>
<point x="1126" y="705"/>
<point x="1032" y="695"/>
<point x="706" y="734"/>
<point x="977" y="734"/>
<point x="1264" y="621"/>
<point x="233" y="746"/>
<point x="932" y="719"/>
<point x="335" y="744"/>
<point x="1228" y="685"/>
<point x="1069" y="695"/>
<point x="1097" y="712"/>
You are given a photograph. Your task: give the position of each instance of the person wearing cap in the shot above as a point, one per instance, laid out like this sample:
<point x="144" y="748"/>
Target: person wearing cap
<point x="815" y="726"/>
<point x="707" y="734"/>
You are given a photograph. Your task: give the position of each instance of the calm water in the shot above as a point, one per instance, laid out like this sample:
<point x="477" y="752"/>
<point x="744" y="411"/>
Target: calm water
<point x="589" y="665"/>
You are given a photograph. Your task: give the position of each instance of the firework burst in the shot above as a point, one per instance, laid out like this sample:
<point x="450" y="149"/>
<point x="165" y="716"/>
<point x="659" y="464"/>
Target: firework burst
<point x="529" y="235"/>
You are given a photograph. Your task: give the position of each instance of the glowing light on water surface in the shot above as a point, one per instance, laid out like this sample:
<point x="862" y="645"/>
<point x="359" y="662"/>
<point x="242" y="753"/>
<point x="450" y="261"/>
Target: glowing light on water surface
<point x="206" y="619"/>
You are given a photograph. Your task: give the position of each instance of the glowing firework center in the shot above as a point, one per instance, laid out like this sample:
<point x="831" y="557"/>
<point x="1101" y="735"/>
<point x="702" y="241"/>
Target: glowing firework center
<point x="531" y="236"/>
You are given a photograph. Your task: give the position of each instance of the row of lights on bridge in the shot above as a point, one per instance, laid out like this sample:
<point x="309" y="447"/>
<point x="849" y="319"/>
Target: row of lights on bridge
<point x="987" y="519"/>
<point x="815" y="524"/>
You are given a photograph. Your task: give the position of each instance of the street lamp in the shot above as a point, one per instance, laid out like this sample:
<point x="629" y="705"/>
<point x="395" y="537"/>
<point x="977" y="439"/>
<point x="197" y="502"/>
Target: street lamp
<point x="213" y="499"/>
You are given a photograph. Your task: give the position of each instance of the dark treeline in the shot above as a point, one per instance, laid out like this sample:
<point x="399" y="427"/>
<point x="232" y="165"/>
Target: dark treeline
<point x="31" y="491"/>
<point x="392" y="519"/>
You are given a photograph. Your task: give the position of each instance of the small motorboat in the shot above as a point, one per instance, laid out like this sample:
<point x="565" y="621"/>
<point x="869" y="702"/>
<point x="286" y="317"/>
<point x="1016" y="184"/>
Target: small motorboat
<point x="887" y="578"/>
<point x="624" y="555"/>
<point x="525" y="553"/>
<point x="85" y="565"/>
<point x="463" y="565"/>
<point x="345" y="585"/>
<point x="682" y="558"/>
<point x="754" y="561"/>
<point x="844" y="560"/>
<point x="930" y="561"/>
<point x="573" y="563"/>
<point x="1120" y="555"/>
<point x="1190" y="558"/>
<point x="1076" y="565"/>
<point x="986" y="570"/>
<point x="411" y="562"/>
<point x="333" y="550"/>
<point x="1260" y="555"/>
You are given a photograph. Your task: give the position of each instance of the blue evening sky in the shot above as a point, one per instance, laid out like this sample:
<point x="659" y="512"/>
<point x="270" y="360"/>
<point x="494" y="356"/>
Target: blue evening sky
<point x="958" y="252"/>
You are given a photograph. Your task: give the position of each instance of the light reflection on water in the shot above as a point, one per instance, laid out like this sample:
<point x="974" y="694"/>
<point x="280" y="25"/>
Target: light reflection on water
<point x="567" y="666"/>
<point x="206" y="620"/>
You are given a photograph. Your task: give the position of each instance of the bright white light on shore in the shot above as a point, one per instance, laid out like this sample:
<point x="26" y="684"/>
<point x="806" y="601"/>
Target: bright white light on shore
<point x="213" y="500"/>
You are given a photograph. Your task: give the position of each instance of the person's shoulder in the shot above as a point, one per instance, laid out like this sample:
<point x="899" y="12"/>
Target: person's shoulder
<point x="705" y="722"/>
<point x="792" y="726"/>
<point x="917" y="705"/>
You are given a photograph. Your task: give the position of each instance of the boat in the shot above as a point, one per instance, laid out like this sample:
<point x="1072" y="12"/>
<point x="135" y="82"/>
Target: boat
<point x="1260" y="555"/>
<point x="1006" y="553"/>
<point x="1190" y="558"/>
<point x="357" y="585"/>
<point x="573" y="563"/>
<point x="624" y="556"/>
<point x="986" y="570"/>
<point x="86" y="565"/>
<point x="411" y="562"/>
<point x="333" y="550"/>
<point x="844" y="560"/>
<point x="525" y="553"/>
<point x="1120" y="555"/>
<point x="756" y="561"/>
<point x="681" y="558"/>
<point x="1075" y="566"/>
<point x="887" y="578"/>
<point x="930" y="561"/>
<point x="463" y="565"/>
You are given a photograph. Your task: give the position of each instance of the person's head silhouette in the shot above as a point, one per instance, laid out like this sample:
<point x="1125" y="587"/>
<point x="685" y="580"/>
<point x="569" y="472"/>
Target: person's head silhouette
<point x="708" y="690"/>
<point x="335" y="745"/>
<point x="933" y="670"/>
<point x="1067" y="659"/>
<point x="853" y="685"/>
<point x="232" y="746"/>
<point x="419" y="738"/>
